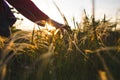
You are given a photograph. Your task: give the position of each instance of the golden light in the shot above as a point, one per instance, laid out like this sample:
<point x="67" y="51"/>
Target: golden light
<point x="50" y="27"/>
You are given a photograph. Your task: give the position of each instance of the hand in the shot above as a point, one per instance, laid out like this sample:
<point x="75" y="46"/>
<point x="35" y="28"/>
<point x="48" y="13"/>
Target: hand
<point x="50" y="22"/>
<point x="55" y="24"/>
<point x="41" y="23"/>
<point x="58" y="25"/>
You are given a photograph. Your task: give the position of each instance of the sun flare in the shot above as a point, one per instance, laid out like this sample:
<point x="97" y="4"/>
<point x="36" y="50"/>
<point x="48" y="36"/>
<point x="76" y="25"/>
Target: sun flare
<point x="50" y="27"/>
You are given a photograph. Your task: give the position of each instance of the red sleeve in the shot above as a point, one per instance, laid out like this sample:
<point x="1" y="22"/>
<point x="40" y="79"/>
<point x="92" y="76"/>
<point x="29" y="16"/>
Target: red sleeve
<point x="28" y="9"/>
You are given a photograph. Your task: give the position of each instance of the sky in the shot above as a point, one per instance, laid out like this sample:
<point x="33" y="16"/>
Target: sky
<point x="73" y="8"/>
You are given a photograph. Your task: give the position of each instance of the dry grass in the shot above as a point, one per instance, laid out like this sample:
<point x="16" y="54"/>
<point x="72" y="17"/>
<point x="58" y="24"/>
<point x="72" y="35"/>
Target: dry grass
<point x="85" y="53"/>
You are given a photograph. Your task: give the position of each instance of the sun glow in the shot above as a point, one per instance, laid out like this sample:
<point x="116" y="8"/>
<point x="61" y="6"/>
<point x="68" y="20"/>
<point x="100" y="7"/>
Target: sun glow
<point x="50" y="27"/>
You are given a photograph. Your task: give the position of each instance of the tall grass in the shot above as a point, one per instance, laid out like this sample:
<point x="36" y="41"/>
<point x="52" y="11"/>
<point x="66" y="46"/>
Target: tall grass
<point x="84" y="53"/>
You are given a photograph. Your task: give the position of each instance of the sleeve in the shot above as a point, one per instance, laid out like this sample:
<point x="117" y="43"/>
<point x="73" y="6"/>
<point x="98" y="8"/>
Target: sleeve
<point x="28" y="9"/>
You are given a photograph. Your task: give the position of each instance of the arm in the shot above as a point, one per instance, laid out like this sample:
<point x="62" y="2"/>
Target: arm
<point x="28" y="9"/>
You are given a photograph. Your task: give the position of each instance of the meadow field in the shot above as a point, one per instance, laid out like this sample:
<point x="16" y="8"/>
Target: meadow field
<point x="90" y="51"/>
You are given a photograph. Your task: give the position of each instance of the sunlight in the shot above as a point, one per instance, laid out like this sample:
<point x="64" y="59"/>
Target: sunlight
<point x="50" y="27"/>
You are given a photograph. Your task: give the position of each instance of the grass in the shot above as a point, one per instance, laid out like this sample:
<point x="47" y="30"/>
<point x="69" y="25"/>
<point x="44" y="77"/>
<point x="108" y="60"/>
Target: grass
<point x="54" y="55"/>
<point x="84" y="53"/>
